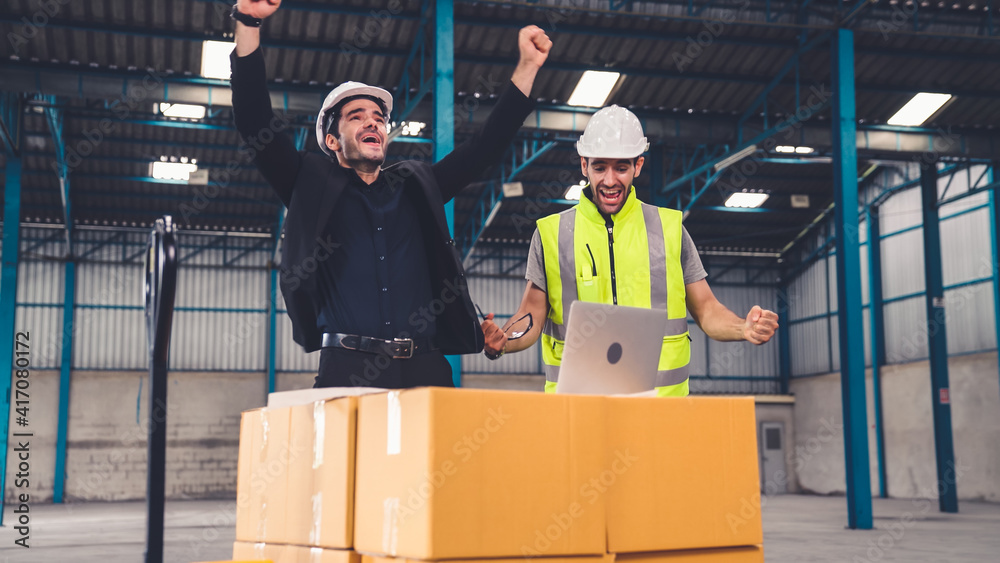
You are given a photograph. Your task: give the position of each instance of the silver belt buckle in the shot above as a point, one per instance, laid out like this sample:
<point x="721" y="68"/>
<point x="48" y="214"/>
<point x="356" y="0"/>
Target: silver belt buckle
<point x="405" y="341"/>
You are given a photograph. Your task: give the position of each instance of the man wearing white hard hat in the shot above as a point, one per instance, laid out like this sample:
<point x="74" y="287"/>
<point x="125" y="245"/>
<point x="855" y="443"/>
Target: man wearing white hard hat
<point x="612" y="248"/>
<point x="369" y="273"/>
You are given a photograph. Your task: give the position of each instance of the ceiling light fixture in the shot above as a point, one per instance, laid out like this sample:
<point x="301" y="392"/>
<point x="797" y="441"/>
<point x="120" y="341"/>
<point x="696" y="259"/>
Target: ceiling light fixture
<point x="919" y="109"/>
<point x="593" y="88"/>
<point x="734" y="158"/>
<point x="187" y="111"/>
<point x="746" y="199"/>
<point x="163" y="170"/>
<point x="215" y="59"/>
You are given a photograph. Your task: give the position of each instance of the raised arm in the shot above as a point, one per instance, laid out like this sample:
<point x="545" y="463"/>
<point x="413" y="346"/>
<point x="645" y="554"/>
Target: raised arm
<point x="274" y="152"/>
<point x="471" y="159"/>
<point x="719" y="323"/>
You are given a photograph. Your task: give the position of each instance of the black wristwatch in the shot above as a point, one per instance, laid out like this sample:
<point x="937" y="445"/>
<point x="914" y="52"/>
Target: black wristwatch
<point x="496" y="357"/>
<point x="244" y="19"/>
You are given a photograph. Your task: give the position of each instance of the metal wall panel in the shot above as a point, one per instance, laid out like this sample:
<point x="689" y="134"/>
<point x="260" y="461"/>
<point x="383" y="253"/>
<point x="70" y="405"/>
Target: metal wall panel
<point x="39" y="313"/>
<point x="810" y="344"/>
<point x="225" y="326"/>
<point x="291" y="356"/>
<point x="742" y="358"/>
<point x="902" y="264"/>
<point x="971" y="327"/>
<point x="965" y="247"/>
<point x="110" y="321"/>
<point x="905" y="331"/>
<point x="807" y="293"/>
<point x="900" y="211"/>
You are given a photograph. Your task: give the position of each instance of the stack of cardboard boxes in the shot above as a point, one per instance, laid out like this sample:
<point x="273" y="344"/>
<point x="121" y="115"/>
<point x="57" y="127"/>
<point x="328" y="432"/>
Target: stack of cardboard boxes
<point x="462" y="475"/>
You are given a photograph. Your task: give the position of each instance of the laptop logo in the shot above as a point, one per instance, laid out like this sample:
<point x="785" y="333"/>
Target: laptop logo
<point x="614" y="353"/>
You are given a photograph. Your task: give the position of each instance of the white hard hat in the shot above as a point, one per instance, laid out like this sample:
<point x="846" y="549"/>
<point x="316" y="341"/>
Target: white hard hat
<point x="613" y="132"/>
<point x="339" y="94"/>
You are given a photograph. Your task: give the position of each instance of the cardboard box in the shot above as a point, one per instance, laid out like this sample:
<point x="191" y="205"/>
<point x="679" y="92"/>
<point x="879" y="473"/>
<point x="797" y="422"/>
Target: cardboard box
<point x="301" y="554"/>
<point x="246" y="518"/>
<point x="605" y="558"/>
<point x="262" y="489"/>
<point x="295" y="479"/>
<point x="277" y="553"/>
<point x="321" y="483"/>
<point x="462" y="473"/>
<point x="683" y="474"/>
<point x="747" y="554"/>
<point x="250" y="551"/>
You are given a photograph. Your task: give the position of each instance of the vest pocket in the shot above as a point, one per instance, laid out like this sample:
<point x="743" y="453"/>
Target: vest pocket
<point x="676" y="352"/>
<point x="588" y="287"/>
<point x="557" y="350"/>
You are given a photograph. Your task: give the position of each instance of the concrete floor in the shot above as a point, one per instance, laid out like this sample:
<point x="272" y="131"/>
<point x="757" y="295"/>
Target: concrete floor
<point x="796" y="529"/>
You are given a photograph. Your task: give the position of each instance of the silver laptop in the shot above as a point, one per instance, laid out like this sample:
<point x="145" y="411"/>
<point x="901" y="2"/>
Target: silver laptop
<point x="611" y="349"/>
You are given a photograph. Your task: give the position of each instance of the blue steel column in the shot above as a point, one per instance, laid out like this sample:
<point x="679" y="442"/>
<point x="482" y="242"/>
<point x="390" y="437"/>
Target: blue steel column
<point x="8" y="303"/>
<point x="937" y="342"/>
<point x="877" y="336"/>
<point x="444" y="113"/>
<point x="69" y="303"/>
<point x="994" y="232"/>
<point x="852" y="356"/>
<point x="272" y="332"/>
<point x="784" y="338"/>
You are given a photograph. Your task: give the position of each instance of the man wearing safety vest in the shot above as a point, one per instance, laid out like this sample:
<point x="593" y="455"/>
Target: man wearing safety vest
<point x="612" y="248"/>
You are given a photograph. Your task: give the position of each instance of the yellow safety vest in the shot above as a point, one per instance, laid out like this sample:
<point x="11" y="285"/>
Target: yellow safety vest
<point x="637" y="263"/>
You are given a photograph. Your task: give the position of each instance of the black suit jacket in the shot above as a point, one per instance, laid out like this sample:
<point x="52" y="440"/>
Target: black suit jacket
<point x="310" y="184"/>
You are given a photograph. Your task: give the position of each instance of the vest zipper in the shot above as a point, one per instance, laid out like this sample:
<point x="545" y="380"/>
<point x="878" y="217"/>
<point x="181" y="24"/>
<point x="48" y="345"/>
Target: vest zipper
<point x="611" y="250"/>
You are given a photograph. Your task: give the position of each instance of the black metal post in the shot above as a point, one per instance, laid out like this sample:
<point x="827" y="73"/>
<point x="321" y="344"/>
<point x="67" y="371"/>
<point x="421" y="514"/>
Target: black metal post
<point x="161" y="285"/>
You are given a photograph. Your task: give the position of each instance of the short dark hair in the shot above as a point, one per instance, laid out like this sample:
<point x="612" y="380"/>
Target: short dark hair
<point x="634" y="159"/>
<point x="333" y="115"/>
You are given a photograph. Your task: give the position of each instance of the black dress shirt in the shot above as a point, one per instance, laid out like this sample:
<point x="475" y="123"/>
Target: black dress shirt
<point x="378" y="282"/>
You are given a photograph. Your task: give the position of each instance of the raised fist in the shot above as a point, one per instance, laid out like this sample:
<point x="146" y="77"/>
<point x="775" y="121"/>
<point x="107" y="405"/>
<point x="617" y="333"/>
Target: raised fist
<point x="534" y="45"/>
<point x="258" y="8"/>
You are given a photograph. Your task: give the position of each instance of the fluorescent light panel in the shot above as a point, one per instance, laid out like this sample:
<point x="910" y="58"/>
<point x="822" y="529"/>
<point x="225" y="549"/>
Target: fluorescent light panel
<point x="183" y="110"/>
<point x="919" y="109"/>
<point x="746" y="200"/>
<point x="215" y="59"/>
<point x="734" y="158"/>
<point x="172" y="170"/>
<point x="791" y="149"/>
<point x="593" y="88"/>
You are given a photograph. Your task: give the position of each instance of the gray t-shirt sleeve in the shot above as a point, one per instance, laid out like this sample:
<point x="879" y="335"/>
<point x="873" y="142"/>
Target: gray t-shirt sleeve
<point x="535" y="272"/>
<point x="691" y="264"/>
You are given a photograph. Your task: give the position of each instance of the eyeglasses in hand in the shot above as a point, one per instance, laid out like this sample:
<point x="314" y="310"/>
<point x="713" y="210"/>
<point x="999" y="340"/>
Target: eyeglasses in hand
<point x="515" y="329"/>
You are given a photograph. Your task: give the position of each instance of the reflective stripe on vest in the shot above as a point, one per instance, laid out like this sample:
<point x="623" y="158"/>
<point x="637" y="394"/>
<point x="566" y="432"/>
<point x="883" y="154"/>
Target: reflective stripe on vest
<point x="575" y="243"/>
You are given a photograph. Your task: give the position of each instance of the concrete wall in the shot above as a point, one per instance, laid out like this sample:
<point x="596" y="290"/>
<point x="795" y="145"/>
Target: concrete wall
<point x="908" y="430"/>
<point x="106" y="441"/>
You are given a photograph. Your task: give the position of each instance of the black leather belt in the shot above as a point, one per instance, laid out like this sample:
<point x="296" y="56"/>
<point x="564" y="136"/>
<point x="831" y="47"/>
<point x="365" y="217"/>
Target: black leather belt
<point x="395" y="348"/>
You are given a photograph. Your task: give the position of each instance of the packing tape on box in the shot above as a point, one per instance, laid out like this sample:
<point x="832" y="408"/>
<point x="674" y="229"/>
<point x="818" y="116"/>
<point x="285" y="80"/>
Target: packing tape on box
<point x="319" y="427"/>
<point x="390" y="525"/>
<point x="317" y="519"/>
<point x="316" y="555"/>
<point x="394" y="426"/>
<point x="258" y="550"/>
<point x="262" y="456"/>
